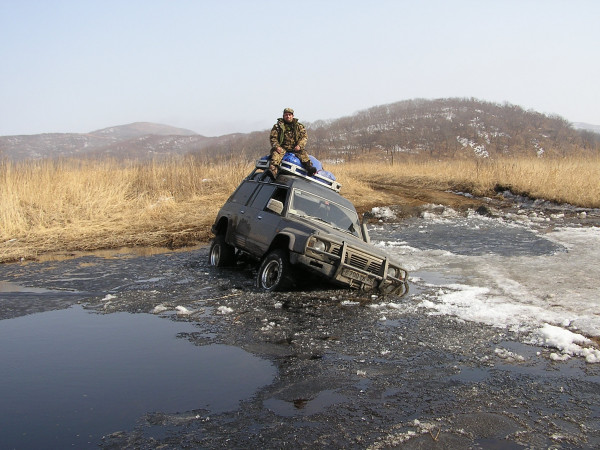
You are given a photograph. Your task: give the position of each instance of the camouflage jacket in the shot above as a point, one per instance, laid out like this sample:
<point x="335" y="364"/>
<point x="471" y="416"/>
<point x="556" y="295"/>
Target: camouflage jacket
<point x="288" y="135"/>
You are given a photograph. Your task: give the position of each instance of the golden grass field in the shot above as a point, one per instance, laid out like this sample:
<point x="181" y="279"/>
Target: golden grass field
<point x="64" y="206"/>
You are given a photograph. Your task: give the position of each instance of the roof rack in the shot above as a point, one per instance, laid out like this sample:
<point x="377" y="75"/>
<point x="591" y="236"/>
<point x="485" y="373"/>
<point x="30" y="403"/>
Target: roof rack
<point x="297" y="170"/>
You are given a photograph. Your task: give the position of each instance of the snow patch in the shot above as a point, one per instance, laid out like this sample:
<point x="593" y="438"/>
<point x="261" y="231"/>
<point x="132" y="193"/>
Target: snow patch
<point x="183" y="311"/>
<point x="383" y="213"/>
<point x="224" y="310"/>
<point x="159" y="309"/>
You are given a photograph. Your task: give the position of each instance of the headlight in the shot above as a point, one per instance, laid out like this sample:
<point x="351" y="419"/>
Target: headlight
<point x="319" y="245"/>
<point x="393" y="272"/>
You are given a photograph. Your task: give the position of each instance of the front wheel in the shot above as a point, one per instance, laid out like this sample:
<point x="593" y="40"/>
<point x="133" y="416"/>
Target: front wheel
<point x="221" y="254"/>
<point x="274" y="272"/>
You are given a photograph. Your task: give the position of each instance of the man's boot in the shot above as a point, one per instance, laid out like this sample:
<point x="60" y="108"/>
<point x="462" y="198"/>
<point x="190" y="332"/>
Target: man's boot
<point x="273" y="170"/>
<point x="310" y="168"/>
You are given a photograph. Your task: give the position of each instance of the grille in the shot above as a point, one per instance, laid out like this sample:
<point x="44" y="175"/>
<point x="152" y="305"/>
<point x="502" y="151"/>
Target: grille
<point x="358" y="260"/>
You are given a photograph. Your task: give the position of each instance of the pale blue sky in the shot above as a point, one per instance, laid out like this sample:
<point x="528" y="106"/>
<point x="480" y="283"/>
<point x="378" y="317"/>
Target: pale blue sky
<point x="224" y="66"/>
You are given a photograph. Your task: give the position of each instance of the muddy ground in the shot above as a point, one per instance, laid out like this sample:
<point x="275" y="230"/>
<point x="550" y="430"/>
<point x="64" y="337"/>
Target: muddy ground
<point x="353" y="370"/>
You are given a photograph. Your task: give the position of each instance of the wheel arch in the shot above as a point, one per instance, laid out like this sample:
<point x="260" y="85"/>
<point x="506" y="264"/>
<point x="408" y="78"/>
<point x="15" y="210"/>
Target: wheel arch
<point x="221" y="226"/>
<point x="284" y="241"/>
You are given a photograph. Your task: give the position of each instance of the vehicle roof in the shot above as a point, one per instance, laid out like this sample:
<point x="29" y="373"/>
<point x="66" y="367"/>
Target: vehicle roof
<point x="292" y="181"/>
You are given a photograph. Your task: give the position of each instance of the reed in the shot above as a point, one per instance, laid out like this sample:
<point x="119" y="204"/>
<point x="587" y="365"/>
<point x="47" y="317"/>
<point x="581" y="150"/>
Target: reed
<point x="69" y="205"/>
<point x="573" y="180"/>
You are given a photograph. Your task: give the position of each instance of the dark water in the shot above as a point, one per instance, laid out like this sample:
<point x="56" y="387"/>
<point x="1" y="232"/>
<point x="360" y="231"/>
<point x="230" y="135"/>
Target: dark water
<point x="71" y="376"/>
<point x="470" y="237"/>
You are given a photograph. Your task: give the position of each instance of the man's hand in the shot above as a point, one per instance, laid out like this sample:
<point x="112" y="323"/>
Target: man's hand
<point x="297" y="148"/>
<point x="280" y="150"/>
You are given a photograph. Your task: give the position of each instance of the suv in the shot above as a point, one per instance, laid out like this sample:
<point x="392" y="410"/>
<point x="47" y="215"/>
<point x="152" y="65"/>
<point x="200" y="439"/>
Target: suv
<point x="296" y="221"/>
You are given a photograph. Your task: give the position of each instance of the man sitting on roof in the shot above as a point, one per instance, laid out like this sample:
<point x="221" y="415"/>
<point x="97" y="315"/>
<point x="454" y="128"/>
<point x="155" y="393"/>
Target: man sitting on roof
<point x="288" y="135"/>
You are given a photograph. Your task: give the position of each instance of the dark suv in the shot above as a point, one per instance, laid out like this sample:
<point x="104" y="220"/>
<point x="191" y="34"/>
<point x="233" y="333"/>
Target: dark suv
<point x="297" y="221"/>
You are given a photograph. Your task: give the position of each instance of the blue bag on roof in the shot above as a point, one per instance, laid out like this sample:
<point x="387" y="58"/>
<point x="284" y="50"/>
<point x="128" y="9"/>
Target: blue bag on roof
<point x="292" y="159"/>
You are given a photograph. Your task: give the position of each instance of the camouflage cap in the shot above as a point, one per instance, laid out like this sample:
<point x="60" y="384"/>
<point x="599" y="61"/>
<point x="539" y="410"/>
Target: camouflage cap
<point x="288" y="110"/>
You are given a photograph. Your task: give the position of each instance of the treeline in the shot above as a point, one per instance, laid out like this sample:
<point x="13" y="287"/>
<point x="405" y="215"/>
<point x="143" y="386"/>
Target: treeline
<point x="442" y="128"/>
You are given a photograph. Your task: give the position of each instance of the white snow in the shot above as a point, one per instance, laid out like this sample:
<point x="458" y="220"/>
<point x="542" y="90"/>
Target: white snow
<point x="383" y="213"/>
<point x="159" y="308"/>
<point x="553" y="299"/>
<point x="183" y="311"/>
<point x="349" y="303"/>
<point x="224" y="310"/>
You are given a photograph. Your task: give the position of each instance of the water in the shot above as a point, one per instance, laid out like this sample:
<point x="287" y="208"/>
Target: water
<point x="470" y="237"/>
<point x="71" y="376"/>
<point x="505" y="274"/>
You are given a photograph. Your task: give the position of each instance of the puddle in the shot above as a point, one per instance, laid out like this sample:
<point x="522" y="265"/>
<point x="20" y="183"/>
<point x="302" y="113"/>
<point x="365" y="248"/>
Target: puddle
<point x="304" y="406"/>
<point x="8" y="287"/>
<point x="71" y="376"/>
<point x="118" y="253"/>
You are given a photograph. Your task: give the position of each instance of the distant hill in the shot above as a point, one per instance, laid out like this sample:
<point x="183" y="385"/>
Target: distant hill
<point x="138" y="129"/>
<point x="586" y="126"/>
<point x="441" y="128"/>
<point x="451" y="128"/>
<point x="140" y="140"/>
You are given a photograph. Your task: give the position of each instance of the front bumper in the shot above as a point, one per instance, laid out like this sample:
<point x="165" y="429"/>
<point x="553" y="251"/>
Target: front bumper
<point x="355" y="268"/>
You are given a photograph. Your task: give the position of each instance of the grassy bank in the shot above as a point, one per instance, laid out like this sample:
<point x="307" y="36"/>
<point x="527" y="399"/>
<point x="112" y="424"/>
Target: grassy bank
<point x="69" y="205"/>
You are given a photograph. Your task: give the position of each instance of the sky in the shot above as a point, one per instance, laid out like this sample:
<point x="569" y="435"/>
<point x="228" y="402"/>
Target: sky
<point x="226" y="66"/>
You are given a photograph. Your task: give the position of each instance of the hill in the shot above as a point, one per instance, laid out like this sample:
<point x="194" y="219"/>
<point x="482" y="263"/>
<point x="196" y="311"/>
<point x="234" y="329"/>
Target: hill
<point x="138" y="129"/>
<point x="138" y="140"/>
<point x="441" y="128"/>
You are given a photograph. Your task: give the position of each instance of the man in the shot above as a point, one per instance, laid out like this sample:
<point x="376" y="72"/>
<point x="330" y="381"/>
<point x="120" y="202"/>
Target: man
<point x="289" y="135"/>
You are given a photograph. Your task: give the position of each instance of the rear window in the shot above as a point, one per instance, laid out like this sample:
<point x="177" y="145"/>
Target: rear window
<point x="243" y="193"/>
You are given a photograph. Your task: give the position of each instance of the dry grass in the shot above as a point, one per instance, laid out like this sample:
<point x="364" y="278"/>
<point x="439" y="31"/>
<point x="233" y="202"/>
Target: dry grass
<point x="70" y="205"/>
<point x="573" y="181"/>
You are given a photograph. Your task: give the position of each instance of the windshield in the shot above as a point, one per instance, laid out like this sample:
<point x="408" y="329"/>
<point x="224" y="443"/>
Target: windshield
<point x="306" y="204"/>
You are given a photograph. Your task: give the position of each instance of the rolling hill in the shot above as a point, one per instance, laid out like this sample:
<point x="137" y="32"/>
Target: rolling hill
<point x="441" y="128"/>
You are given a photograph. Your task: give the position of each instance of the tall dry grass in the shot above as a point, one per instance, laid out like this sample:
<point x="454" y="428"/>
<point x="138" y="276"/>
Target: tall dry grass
<point x="73" y="205"/>
<point x="574" y="180"/>
<point x="69" y="205"/>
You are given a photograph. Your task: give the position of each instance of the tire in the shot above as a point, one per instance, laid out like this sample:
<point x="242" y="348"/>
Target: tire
<point x="274" y="272"/>
<point x="221" y="254"/>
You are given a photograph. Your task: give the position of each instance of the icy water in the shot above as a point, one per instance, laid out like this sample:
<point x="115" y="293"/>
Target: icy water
<point x="503" y="273"/>
<point x="71" y="376"/>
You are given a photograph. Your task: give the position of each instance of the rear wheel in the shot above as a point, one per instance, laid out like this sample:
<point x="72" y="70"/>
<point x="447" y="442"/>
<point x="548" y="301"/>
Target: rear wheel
<point x="274" y="272"/>
<point x="221" y="254"/>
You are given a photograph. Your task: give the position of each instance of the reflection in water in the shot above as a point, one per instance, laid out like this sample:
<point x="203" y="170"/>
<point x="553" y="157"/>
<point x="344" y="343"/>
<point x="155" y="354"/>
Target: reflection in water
<point x="70" y="376"/>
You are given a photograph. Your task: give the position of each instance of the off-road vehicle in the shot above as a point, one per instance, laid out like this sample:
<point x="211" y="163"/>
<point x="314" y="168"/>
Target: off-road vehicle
<point x="296" y="221"/>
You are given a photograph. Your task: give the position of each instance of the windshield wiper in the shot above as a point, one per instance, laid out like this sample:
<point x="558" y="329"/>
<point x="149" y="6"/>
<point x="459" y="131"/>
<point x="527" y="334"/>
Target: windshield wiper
<point x="306" y="216"/>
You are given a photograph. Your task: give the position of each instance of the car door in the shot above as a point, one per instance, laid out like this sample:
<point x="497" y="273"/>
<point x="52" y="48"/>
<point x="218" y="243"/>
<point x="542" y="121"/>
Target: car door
<point x="240" y="220"/>
<point x="264" y="222"/>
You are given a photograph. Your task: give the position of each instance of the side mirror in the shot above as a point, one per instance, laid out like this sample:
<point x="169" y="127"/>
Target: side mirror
<point x="275" y="206"/>
<point x="363" y="226"/>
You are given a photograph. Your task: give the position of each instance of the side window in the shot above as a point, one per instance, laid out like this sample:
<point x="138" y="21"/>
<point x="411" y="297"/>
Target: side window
<point x="263" y="196"/>
<point x="266" y="193"/>
<point x="280" y="194"/>
<point x="243" y="193"/>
